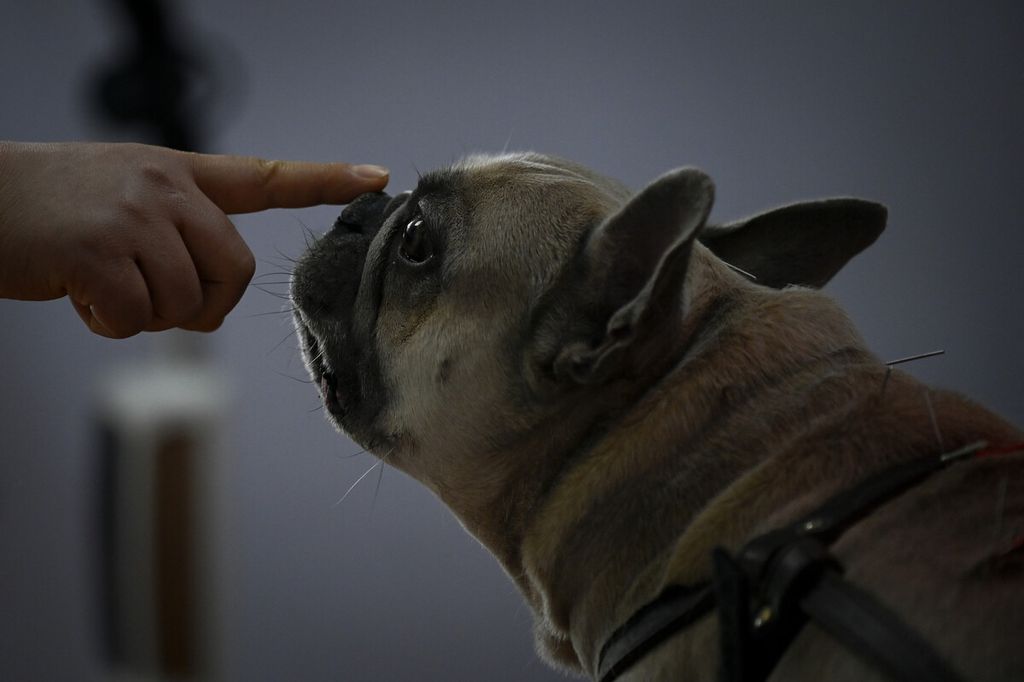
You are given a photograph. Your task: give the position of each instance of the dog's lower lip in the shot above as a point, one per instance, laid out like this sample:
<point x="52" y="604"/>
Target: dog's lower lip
<point x="329" y="392"/>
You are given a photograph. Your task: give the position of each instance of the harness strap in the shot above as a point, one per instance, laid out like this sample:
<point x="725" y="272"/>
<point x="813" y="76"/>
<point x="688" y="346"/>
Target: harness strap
<point x="765" y="594"/>
<point x="677" y="608"/>
<point x="802" y="580"/>
<point x="856" y="619"/>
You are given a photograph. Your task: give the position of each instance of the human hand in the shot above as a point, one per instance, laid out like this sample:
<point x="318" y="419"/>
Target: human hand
<point x="136" y="236"/>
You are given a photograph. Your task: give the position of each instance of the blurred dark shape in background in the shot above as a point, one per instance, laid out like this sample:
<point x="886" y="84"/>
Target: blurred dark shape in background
<point x="162" y="421"/>
<point x="161" y="83"/>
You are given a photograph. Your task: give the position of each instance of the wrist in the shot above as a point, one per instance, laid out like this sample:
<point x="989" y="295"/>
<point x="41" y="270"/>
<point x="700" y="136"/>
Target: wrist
<point x="9" y="151"/>
<point x="9" y="201"/>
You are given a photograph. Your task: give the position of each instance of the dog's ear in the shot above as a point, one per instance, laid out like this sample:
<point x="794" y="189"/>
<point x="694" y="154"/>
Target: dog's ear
<point x="632" y="268"/>
<point x="804" y="244"/>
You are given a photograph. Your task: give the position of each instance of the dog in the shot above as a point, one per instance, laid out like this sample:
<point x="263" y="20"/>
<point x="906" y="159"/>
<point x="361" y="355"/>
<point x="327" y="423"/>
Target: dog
<point x="604" y="388"/>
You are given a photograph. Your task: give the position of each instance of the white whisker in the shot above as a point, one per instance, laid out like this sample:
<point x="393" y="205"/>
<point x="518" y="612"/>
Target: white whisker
<point x="376" y="491"/>
<point x="353" y="486"/>
<point x="741" y="271"/>
<point x="922" y="356"/>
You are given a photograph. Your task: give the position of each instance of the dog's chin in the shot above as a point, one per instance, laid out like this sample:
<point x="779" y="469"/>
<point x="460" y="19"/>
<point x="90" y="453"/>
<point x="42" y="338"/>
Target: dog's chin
<point x="338" y="385"/>
<point x="337" y="403"/>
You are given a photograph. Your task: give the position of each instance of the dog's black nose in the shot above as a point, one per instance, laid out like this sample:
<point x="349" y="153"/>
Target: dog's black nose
<point x="363" y="216"/>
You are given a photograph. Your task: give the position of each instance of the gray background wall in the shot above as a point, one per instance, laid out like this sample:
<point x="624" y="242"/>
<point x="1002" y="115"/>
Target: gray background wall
<point x="916" y="106"/>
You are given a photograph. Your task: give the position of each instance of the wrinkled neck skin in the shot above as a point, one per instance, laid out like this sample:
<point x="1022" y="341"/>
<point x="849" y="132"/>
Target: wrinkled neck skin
<point x="622" y="489"/>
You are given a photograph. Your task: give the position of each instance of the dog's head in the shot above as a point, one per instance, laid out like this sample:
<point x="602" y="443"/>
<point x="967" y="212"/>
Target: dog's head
<point x="449" y="323"/>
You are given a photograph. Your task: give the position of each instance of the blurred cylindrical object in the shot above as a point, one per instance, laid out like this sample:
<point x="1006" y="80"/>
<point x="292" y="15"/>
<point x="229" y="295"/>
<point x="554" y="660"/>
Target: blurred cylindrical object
<point x="163" y="462"/>
<point x="163" y="423"/>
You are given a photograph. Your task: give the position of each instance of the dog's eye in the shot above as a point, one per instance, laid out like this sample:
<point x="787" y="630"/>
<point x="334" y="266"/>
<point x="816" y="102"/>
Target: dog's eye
<point x="416" y="247"/>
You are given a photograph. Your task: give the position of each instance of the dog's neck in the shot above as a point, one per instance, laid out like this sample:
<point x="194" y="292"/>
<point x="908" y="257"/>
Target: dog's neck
<point x="591" y="552"/>
<point x="748" y="375"/>
<point x="566" y="506"/>
<point x="609" y="499"/>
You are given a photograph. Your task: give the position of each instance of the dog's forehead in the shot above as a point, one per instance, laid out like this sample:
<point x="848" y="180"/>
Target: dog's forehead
<point x="536" y="174"/>
<point x="523" y="194"/>
<point x="526" y="210"/>
<point x="520" y="181"/>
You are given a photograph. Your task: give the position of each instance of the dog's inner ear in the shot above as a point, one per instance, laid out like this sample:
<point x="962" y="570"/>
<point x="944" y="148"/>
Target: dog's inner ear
<point x="804" y="244"/>
<point x="633" y="266"/>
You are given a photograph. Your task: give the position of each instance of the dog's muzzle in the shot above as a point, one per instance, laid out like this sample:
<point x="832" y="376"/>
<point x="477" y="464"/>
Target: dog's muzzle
<point x="324" y="288"/>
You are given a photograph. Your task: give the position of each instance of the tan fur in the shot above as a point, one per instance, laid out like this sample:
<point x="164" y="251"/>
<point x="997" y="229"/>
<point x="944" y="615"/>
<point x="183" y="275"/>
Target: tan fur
<point x="749" y="406"/>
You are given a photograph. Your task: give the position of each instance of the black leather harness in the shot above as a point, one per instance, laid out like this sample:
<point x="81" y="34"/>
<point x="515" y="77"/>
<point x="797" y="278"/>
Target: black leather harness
<point x="765" y="594"/>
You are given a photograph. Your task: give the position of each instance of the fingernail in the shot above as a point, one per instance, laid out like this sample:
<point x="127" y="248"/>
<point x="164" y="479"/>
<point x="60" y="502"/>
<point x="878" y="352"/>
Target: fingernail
<point x="371" y="172"/>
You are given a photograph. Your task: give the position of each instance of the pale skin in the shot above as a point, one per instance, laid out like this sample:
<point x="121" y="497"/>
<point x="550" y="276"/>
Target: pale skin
<point x="137" y="236"/>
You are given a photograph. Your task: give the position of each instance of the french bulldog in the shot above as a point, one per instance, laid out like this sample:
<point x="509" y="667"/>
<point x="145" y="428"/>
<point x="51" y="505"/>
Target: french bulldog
<point x="604" y="386"/>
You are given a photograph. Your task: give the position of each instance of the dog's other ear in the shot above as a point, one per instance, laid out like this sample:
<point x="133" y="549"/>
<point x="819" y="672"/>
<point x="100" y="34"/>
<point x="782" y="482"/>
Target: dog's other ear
<point x="633" y="266"/>
<point x="804" y="244"/>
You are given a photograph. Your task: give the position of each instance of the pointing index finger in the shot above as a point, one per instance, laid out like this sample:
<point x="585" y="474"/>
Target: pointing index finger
<point x="244" y="184"/>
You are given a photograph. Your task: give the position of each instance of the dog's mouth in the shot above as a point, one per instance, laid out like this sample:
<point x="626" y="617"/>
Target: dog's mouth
<point x="339" y="356"/>
<point x="329" y="393"/>
<point x="324" y="289"/>
<point x="341" y="388"/>
<point x="320" y="371"/>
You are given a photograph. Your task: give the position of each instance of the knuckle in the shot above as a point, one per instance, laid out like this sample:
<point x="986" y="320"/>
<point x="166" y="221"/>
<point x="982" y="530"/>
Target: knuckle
<point x="133" y="322"/>
<point x="129" y="313"/>
<point x="123" y="326"/>
<point x="96" y="328"/>
<point x="133" y="210"/>
<point x="115" y="301"/>
<point x="179" y="300"/>
<point x="213" y="325"/>
<point x="158" y="184"/>
<point x="124" y="333"/>
<point x="268" y="170"/>
<point x="156" y="175"/>
<point x="205" y="325"/>
<point x="159" y="325"/>
<point x="246" y="265"/>
<point x="137" y="209"/>
<point x="194" y="304"/>
<point x="238" y="262"/>
<point x="188" y="305"/>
